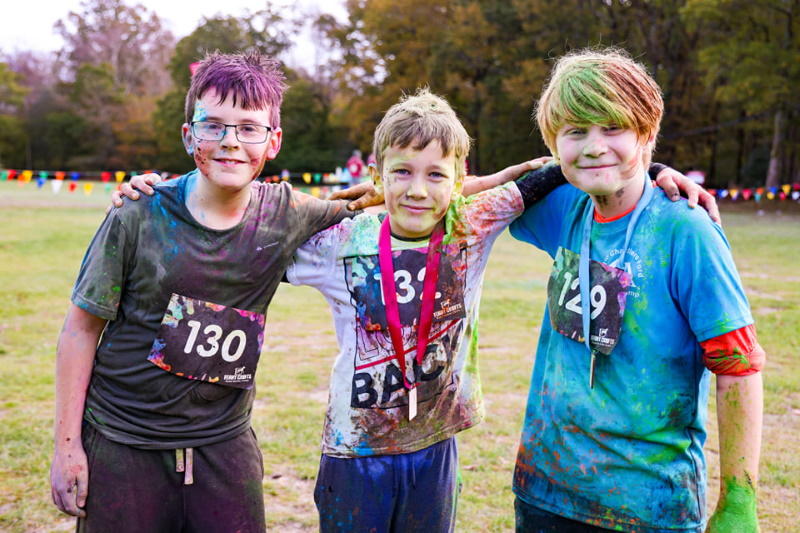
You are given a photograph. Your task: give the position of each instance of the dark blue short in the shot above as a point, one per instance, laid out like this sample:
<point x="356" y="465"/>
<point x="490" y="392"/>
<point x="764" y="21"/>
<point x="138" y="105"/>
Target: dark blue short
<point x="390" y="493"/>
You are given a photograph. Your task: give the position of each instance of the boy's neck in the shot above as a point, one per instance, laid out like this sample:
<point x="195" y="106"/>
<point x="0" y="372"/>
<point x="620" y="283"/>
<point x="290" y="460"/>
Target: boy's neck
<point x="213" y="207"/>
<point x="611" y="206"/>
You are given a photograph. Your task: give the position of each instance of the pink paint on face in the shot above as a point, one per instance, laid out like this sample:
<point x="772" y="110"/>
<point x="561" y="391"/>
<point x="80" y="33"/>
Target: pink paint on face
<point x="229" y="164"/>
<point x="418" y="186"/>
<point x="602" y="161"/>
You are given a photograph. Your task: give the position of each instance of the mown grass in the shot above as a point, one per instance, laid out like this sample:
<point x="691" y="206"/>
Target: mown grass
<point x="43" y="239"/>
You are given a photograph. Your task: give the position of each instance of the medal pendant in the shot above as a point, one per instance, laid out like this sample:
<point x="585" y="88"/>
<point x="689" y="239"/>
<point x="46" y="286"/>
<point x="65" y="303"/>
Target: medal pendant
<point x="412" y="403"/>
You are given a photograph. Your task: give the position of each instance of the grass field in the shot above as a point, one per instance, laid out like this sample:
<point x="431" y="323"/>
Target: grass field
<point x="43" y="238"/>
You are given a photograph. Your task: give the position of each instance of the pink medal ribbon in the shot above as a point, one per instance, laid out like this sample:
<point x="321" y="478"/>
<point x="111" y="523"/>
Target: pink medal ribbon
<point x="426" y="309"/>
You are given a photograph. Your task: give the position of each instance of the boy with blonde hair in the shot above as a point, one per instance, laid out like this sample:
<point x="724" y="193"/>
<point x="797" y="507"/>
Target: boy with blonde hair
<point x="643" y="301"/>
<point x="404" y="290"/>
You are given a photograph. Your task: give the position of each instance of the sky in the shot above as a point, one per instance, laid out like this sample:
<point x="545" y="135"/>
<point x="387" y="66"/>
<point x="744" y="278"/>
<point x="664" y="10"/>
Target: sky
<point x="28" y="24"/>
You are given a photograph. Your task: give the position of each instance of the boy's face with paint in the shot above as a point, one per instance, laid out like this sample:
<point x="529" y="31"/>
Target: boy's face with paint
<point x="600" y="160"/>
<point x="230" y="164"/>
<point x="418" y="186"/>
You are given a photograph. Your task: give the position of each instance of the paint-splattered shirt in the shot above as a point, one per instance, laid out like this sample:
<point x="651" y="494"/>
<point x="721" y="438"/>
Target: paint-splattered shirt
<point x="627" y="454"/>
<point x="149" y="250"/>
<point x="368" y="403"/>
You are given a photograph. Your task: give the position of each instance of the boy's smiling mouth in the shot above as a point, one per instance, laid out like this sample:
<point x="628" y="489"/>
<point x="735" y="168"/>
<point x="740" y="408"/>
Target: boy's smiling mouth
<point x="416" y="209"/>
<point x="595" y="166"/>
<point x="228" y="162"/>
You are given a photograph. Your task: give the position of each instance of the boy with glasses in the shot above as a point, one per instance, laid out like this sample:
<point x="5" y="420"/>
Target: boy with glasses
<point x="155" y="435"/>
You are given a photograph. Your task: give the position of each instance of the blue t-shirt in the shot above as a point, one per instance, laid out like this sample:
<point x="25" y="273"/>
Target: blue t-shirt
<point x="627" y="453"/>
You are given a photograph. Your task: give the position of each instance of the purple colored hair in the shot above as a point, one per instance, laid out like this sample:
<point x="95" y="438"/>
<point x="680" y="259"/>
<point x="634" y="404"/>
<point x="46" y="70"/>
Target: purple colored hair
<point x="254" y="81"/>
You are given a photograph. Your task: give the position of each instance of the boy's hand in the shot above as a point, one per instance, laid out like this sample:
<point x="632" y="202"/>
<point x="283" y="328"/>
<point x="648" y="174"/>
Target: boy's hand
<point x="736" y="511"/>
<point x="673" y="183"/>
<point x="69" y="480"/>
<point x="363" y="195"/>
<point x="143" y="182"/>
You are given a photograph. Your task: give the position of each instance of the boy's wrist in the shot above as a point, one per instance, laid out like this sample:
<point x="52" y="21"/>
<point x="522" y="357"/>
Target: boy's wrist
<point x="656" y="169"/>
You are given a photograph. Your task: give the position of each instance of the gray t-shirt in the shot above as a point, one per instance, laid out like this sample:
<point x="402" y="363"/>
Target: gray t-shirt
<point x="149" y="250"/>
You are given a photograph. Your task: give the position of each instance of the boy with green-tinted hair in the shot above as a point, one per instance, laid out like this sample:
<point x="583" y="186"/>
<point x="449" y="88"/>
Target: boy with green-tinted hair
<point x="643" y="301"/>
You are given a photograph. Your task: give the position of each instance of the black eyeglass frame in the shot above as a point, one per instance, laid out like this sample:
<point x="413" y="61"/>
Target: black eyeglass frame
<point x="267" y="130"/>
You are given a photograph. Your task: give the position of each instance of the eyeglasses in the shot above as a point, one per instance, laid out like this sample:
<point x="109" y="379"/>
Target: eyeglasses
<point x="206" y="130"/>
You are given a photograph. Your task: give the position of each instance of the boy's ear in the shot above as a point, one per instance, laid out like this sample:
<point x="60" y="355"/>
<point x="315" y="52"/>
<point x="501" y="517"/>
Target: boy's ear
<point x="274" y="141"/>
<point x="458" y="187"/>
<point x="188" y="141"/>
<point x="375" y="176"/>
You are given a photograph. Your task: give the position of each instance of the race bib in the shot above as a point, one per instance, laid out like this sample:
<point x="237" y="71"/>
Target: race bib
<point x="209" y="342"/>
<point x="365" y="279"/>
<point x="608" y="291"/>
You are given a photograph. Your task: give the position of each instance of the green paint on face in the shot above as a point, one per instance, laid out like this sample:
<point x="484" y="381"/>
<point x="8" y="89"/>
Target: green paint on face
<point x="736" y="511"/>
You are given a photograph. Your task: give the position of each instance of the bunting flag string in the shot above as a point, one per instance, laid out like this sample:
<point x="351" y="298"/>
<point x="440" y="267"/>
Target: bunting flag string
<point x="784" y="192"/>
<point x="317" y="184"/>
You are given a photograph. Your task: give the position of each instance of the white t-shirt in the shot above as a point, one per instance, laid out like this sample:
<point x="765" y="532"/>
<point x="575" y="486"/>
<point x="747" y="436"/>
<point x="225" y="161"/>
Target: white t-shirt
<point x="368" y="402"/>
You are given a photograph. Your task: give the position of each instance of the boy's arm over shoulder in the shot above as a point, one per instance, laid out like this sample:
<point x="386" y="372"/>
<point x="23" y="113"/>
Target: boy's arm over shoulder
<point x="315" y="214"/>
<point x="474" y="184"/>
<point x="69" y="474"/>
<point x="537" y="184"/>
<point x="542" y="223"/>
<point x="500" y="205"/>
<point x="314" y="262"/>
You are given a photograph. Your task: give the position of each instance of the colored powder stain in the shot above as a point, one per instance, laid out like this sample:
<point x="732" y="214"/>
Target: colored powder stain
<point x="158" y="360"/>
<point x="736" y="511"/>
<point x="471" y="365"/>
<point x="200" y="112"/>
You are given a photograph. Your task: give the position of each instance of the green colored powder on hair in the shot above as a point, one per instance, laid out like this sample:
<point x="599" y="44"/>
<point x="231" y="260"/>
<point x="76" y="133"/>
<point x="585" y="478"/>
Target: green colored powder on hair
<point x="585" y="98"/>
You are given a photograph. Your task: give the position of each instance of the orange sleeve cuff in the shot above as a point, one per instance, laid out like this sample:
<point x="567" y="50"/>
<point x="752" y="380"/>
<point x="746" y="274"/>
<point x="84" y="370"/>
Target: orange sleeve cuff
<point x="736" y="353"/>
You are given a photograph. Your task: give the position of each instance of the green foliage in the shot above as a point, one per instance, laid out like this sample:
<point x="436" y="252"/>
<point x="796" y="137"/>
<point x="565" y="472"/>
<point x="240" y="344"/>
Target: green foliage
<point x="12" y="93"/>
<point x="12" y="141"/>
<point x="167" y="120"/>
<point x="310" y="142"/>
<point x="268" y="30"/>
<point x="12" y="134"/>
<point x="750" y="55"/>
<point x="64" y="135"/>
<point x="729" y="70"/>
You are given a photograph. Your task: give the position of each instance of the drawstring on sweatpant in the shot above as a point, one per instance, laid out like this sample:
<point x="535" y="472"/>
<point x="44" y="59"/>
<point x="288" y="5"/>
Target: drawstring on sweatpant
<point x="186" y="466"/>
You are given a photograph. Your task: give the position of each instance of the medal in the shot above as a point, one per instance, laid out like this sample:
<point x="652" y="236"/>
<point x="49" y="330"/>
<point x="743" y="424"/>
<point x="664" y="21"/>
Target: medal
<point x="426" y="309"/>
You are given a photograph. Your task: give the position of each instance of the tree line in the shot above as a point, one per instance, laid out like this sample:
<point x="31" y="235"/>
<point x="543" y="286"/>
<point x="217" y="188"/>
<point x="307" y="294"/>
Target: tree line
<point x="112" y="98"/>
